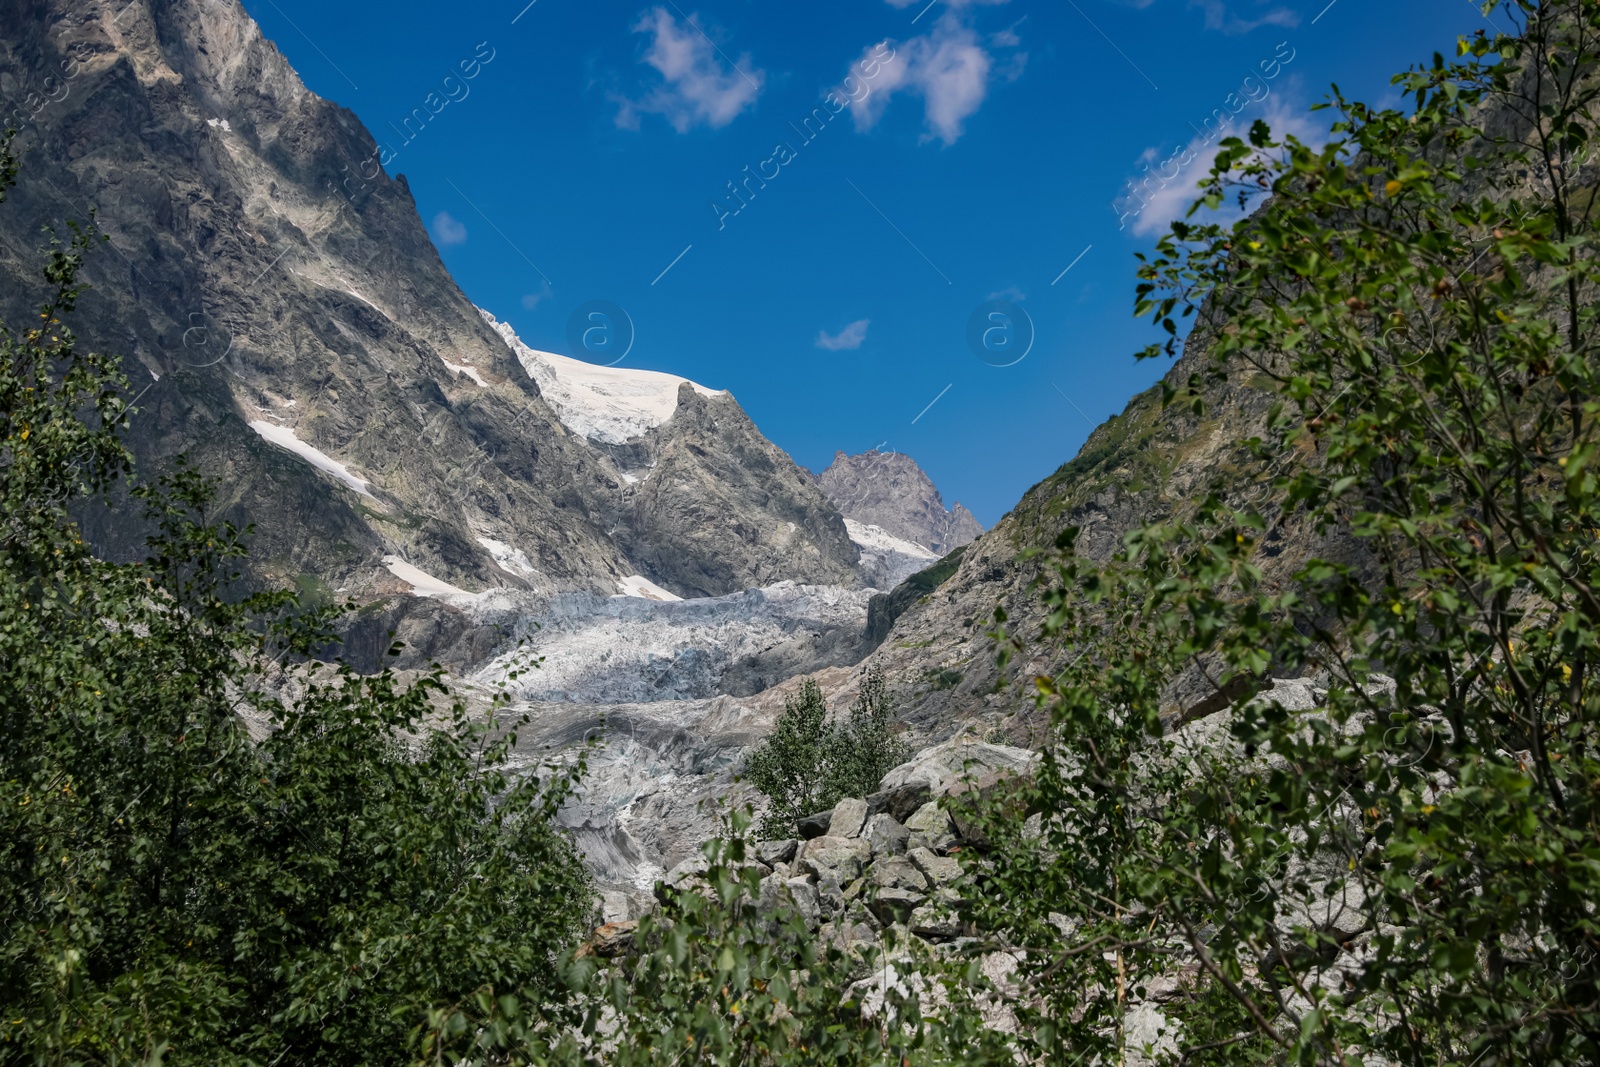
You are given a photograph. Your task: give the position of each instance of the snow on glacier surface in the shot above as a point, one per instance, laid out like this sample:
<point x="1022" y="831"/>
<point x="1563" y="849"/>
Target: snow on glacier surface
<point x="608" y="404"/>
<point x="624" y="649"/>
<point x="284" y="438"/>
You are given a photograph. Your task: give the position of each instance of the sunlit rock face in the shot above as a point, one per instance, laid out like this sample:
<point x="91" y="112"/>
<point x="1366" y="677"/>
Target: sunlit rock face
<point x="287" y="322"/>
<point x="888" y="490"/>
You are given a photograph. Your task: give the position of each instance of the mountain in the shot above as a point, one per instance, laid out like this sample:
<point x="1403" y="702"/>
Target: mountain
<point x="1149" y="463"/>
<point x="888" y="490"/>
<point x="291" y="327"/>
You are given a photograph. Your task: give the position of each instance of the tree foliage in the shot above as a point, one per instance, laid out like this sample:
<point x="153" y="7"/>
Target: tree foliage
<point x="192" y="871"/>
<point x="1406" y="874"/>
<point x="810" y="762"/>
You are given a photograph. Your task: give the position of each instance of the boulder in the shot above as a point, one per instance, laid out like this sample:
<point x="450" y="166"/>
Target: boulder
<point x="613" y="939"/>
<point x="687" y="877"/>
<point x="897" y="872"/>
<point x="969" y="799"/>
<point x="894" y="905"/>
<point x="885" y="835"/>
<point x="930" y="828"/>
<point x="1291" y="694"/>
<point x="935" y="920"/>
<point x="615" y="907"/>
<point x="830" y="894"/>
<point x="901" y="801"/>
<point x="938" y="870"/>
<point x="849" y="818"/>
<point x="942" y="766"/>
<point x="846" y="932"/>
<point x="773" y="853"/>
<point x="814" y="826"/>
<point x="796" y="894"/>
<point x="806" y="900"/>
<point x="839" y="857"/>
<point x="1149" y="1036"/>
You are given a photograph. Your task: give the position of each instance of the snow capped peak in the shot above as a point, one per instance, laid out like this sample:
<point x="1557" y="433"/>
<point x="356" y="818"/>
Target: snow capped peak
<point x="611" y="405"/>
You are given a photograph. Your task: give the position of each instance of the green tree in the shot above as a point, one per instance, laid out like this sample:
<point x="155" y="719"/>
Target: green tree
<point x="865" y="745"/>
<point x="810" y="762"/>
<point x="192" y="871"/>
<point x="1403" y="876"/>
<point x="791" y="766"/>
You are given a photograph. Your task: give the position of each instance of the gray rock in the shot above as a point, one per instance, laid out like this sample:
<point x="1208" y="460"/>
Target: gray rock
<point x="796" y="894"/>
<point x="885" y="835"/>
<point x="830" y="894"/>
<point x="806" y="899"/>
<point x="613" y="939"/>
<point x="840" y="857"/>
<point x="692" y="869"/>
<point x="939" y="870"/>
<point x="900" y="802"/>
<point x="773" y="853"/>
<point x="846" y="932"/>
<point x="935" y="920"/>
<point x="897" y="872"/>
<point x="894" y="905"/>
<point x="888" y="490"/>
<point x="615" y="907"/>
<point x="1149" y="1036"/>
<point x="931" y="828"/>
<point x="813" y="826"/>
<point x="849" y="818"/>
<point x="943" y="765"/>
<point x="1291" y="694"/>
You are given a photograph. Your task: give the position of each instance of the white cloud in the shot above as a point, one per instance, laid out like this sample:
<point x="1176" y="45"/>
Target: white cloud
<point x="447" y="230"/>
<point x="846" y="340"/>
<point x="949" y="67"/>
<point x="700" y="85"/>
<point x="1219" y="17"/>
<point x="1011" y="293"/>
<point x="532" y="301"/>
<point x="1165" y="198"/>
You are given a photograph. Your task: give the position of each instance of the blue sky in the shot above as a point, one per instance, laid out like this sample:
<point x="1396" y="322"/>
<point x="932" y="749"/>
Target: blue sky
<point x="961" y="158"/>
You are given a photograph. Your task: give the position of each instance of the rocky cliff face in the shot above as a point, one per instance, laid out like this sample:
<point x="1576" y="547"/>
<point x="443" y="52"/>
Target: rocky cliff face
<point x="1138" y="467"/>
<point x="288" y="324"/>
<point x="888" y="490"/>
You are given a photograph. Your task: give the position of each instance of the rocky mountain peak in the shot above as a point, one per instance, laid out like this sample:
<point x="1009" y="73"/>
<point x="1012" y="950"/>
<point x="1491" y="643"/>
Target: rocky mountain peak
<point x="888" y="490"/>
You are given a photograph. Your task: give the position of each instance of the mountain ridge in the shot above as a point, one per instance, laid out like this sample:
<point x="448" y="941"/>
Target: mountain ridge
<point x="296" y="333"/>
<point x="890" y="491"/>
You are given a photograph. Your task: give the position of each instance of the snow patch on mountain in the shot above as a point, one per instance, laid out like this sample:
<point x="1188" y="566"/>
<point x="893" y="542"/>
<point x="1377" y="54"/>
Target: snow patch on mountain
<point x="462" y="368"/>
<point x="509" y="557"/>
<point x="612" y="405"/>
<point x="422" y="583"/>
<point x="876" y="539"/>
<point x="887" y="560"/>
<point x="284" y="438"/>
<point x="639" y="586"/>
